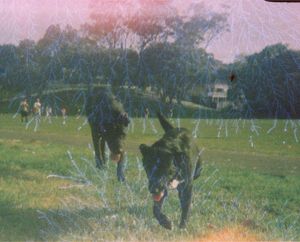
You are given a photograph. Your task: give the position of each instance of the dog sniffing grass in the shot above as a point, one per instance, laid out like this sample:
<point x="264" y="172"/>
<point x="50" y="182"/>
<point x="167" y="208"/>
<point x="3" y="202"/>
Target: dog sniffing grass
<point x="168" y="164"/>
<point x="108" y="121"/>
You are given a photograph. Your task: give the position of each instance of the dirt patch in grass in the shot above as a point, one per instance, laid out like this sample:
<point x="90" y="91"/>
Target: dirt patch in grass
<point x="237" y="233"/>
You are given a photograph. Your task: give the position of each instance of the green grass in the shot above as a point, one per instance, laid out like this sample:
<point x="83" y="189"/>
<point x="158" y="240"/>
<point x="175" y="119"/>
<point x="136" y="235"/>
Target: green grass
<point x="256" y="188"/>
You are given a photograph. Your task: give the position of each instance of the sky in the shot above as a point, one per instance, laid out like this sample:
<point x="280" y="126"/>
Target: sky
<point x="253" y="24"/>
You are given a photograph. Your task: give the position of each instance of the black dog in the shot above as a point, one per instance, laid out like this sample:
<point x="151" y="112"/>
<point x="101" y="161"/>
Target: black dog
<point x="108" y="121"/>
<point x="168" y="163"/>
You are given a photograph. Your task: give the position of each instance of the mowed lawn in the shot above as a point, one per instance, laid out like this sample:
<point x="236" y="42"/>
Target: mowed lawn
<point x="50" y="189"/>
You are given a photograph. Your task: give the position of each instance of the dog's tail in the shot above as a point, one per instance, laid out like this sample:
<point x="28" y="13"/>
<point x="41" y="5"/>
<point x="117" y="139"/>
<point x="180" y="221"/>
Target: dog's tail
<point x="198" y="167"/>
<point x="164" y="122"/>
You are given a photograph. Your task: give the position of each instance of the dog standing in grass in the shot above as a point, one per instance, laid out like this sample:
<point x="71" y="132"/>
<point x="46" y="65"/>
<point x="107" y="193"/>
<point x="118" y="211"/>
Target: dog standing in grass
<point x="168" y="164"/>
<point x="108" y="121"/>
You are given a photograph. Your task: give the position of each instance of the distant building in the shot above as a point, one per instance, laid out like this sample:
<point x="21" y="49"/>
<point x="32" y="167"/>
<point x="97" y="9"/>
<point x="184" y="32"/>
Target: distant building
<point x="217" y="94"/>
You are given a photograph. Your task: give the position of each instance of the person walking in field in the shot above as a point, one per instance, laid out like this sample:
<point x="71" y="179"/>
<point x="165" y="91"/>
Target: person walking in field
<point x="171" y="112"/>
<point x="78" y="113"/>
<point x="24" y="110"/>
<point x="37" y="112"/>
<point x="48" y="114"/>
<point x="146" y="116"/>
<point x="64" y="115"/>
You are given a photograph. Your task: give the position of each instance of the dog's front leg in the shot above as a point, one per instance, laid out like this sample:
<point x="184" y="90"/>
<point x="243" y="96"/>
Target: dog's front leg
<point x="96" y="139"/>
<point x="185" y="196"/>
<point x="162" y="219"/>
<point x="120" y="168"/>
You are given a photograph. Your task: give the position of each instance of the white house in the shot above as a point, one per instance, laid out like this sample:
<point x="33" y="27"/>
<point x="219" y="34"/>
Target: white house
<point x="217" y="93"/>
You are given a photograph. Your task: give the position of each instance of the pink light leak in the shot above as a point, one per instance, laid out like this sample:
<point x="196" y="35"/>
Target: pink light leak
<point x="253" y="24"/>
<point x="20" y="19"/>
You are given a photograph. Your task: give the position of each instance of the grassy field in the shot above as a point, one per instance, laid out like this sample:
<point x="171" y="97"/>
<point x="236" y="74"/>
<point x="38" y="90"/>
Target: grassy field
<point x="50" y="190"/>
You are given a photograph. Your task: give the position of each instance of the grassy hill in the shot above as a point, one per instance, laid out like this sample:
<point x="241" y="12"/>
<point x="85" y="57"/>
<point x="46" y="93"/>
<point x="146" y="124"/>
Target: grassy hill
<point x="134" y="100"/>
<point x="50" y="189"/>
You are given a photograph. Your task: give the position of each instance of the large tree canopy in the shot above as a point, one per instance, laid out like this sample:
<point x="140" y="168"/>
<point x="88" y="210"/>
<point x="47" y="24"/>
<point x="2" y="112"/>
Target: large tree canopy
<point x="269" y="82"/>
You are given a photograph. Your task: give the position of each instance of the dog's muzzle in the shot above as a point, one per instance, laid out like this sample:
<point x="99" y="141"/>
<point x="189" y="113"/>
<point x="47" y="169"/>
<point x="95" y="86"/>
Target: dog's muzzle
<point x="158" y="196"/>
<point x="157" y="188"/>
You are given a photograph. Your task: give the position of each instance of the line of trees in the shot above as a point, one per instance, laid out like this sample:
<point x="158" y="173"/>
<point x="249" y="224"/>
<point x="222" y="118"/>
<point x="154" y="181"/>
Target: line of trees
<point x="155" y="49"/>
<point x="268" y="83"/>
<point x="161" y="50"/>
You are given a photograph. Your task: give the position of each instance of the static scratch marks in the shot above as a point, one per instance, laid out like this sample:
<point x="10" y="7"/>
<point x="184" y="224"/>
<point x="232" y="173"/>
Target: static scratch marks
<point x="223" y="125"/>
<point x="254" y="128"/>
<point x="44" y="216"/>
<point x="295" y="130"/>
<point x="153" y="127"/>
<point x="286" y="125"/>
<point x="237" y="126"/>
<point x="273" y="127"/>
<point x="251" y="141"/>
<point x="131" y="126"/>
<point x="196" y="129"/>
<point x="83" y="124"/>
<point x="178" y="123"/>
<point x="78" y="172"/>
<point x="220" y="128"/>
<point x="144" y="125"/>
<point x="139" y="167"/>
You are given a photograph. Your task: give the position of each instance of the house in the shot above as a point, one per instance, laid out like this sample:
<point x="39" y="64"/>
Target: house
<point x="217" y="94"/>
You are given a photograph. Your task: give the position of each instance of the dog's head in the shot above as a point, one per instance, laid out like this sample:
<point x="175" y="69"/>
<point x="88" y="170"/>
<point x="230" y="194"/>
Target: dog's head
<point x="115" y="145"/>
<point x="158" y="164"/>
<point x="115" y="134"/>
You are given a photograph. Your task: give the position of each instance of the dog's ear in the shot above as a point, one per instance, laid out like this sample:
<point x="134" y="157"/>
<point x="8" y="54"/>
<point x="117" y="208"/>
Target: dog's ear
<point x="124" y="119"/>
<point x="143" y="149"/>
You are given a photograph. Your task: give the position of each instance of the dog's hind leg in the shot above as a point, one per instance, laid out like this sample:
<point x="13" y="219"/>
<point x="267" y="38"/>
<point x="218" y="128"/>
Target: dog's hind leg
<point x="102" y="150"/>
<point x="162" y="219"/>
<point x="185" y="196"/>
<point x="96" y="140"/>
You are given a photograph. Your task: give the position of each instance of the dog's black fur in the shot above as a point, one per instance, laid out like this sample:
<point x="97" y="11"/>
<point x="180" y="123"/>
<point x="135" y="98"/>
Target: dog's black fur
<point x="108" y="121"/>
<point x="167" y="160"/>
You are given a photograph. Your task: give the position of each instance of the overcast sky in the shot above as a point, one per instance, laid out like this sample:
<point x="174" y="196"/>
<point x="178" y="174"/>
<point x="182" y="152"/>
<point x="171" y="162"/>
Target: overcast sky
<point x="253" y="23"/>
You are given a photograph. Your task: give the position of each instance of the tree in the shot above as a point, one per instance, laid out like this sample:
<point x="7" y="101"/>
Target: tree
<point x="199" y="26"/>
<point x="269" y="81"/>
<point x="171" y="70"/>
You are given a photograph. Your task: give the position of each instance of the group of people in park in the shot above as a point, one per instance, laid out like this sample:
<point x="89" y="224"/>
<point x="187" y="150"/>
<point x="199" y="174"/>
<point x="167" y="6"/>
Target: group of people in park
<point x="25" y="109"/>
<point x="36" y="110"/>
